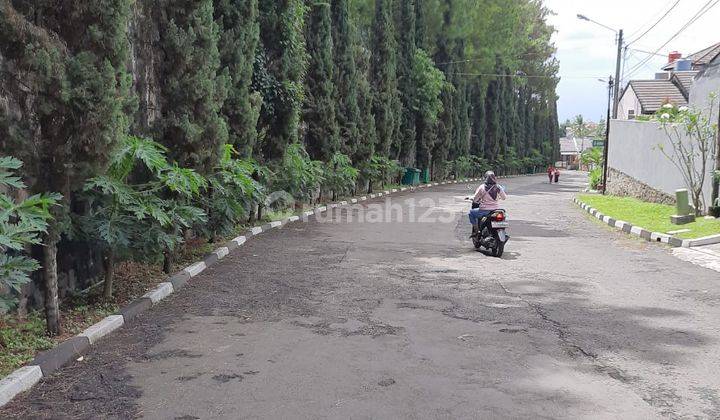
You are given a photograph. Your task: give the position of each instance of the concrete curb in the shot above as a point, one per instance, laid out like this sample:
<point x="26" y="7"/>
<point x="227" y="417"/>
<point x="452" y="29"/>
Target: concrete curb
<point x="47" y="362"/>
<point x="646" y="234"/>
<point x="19" y="381"/>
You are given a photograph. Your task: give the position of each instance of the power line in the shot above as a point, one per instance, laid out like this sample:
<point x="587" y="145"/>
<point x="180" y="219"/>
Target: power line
<point x="655" y="24"/>
<point x="528" y="76"/>
<point x="709" y="5"/>
<point x="651" y="19"/>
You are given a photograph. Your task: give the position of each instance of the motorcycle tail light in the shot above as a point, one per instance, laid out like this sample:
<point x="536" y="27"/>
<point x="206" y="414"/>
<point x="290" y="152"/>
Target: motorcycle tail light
<point x="499" y="217"/>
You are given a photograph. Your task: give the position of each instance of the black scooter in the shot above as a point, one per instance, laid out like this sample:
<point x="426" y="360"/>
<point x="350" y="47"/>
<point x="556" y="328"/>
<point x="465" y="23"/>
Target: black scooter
<point x="491" y="233"/>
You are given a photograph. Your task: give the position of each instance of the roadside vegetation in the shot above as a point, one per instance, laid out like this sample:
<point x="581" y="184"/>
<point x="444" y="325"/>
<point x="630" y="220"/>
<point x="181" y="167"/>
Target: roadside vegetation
<point x="119" y="171"/>
<point x="653" y="217"/>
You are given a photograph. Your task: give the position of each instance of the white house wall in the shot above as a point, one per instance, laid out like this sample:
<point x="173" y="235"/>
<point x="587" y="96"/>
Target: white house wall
<point x="707" y="83"/>
<point x="629" y="101"/>
<point x="634" y="150"/>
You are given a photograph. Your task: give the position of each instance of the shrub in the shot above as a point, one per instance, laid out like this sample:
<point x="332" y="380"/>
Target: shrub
<point x="299" y="175"/>
<point x="21" y="225"/>
<point x="340" y="176"/>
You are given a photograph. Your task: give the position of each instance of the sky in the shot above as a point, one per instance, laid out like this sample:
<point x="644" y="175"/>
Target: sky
<point x="587" y="52"/>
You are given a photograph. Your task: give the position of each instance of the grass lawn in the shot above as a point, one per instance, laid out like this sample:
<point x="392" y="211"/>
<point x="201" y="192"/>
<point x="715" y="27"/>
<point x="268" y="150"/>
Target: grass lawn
<point x="653" y="217"/>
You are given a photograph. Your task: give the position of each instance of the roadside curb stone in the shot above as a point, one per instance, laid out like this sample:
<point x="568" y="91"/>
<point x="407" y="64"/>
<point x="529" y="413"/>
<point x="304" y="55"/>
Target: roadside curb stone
<point x="51" y="360"/>
<point x="97" y="331"/>
<point x="18" y="381"/>
<point x="135" y="308"/>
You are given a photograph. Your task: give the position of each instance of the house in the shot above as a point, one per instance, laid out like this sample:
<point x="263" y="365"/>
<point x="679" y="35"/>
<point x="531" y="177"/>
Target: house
<point x="571" y="149"/>
<point x="645" y="97"/>
<point x="674" y="85"/>
<point x="706" y="83"/>
<point x="696" y="61"/>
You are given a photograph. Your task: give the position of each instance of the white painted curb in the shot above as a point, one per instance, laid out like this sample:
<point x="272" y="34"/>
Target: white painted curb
<point x="198" y="267"/>
<point x="222" y="252"/>
<point x="160" y="292"/>
<point x="240" y="240"/>
<point x="275" y="224"/>
<point x="18" y="381"/>
<point x="293" y="219"/>
<point x="256" y="230"/>
<point x="103" y="328"/>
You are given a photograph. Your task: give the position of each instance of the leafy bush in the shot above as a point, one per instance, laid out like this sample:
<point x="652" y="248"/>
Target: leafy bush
<point x="595" y="178"/>
<point x="146" y="219"/>
<point x="235" y="189"/>
<point x="21" y="224"/>
<point x="340" y="175"/>
<point x="299" y="175"/>
<point x="463" y="166"/>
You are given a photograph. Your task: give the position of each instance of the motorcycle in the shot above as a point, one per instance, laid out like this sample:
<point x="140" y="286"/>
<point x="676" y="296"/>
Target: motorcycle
<point x="491" y="233"/>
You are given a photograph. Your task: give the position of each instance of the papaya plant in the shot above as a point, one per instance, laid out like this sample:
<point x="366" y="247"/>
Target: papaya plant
<point x="340" y="175"/>
<point x="22" y="222"/>
<point x="141" y="206"/>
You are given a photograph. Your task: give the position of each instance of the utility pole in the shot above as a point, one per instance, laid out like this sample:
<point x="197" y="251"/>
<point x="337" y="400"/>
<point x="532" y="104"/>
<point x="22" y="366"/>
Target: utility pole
<point x="611" y="84"/>
<point x="716" y="172"/>
<point x="617" y="76"/>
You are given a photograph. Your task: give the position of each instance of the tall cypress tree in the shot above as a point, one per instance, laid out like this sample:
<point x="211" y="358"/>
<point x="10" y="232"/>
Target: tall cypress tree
<point x="80" y="101"/>
<point x="406" y="57"/>
<point x="346" y="78"/>
<point x="321" y="136"/>
<point x="493" y="134"/>
<point x="279" y="74"/>
<point x="366" y="147"/>
<point x="193" y="87"/>
<point x="384" y="76"/>
<point x="240" y="31"/>
<point x="479" y="127"/>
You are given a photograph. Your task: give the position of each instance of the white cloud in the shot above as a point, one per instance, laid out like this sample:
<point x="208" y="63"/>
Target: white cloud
<point x="587" y="51"/>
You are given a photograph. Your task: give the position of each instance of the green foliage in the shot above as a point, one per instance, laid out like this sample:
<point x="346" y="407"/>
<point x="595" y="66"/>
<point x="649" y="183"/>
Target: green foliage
<point x="193" y="87"/>
<point x="21" y="224"/>
<point x="239" y="36"/>
<point x="692" y="137"/>
<point x="280" y="72"/>
<point x="234" y="192"/>
<point x="298" y="174"/>
<point x="347" y="78"/>
<point x="322" y="132"/>
<point x="143" y="219"/>
<point x="384" y="77"/>
<point x="339" y="175"/>
<point x="595" y="178"/>
<point x="380" y="169"/>
<point x="592" y="157"/>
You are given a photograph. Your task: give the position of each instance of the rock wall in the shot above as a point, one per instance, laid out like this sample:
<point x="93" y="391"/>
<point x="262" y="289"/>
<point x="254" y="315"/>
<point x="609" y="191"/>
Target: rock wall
<point x="623" y="185"/>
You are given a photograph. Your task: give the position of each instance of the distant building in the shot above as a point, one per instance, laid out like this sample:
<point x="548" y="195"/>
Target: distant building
<point x="570" y="151"/>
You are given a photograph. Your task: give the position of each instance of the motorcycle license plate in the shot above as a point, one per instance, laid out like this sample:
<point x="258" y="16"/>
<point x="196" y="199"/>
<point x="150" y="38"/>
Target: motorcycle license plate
<point x="500" y="225"/>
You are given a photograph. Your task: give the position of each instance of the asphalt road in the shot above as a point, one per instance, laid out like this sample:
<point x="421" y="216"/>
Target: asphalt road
<point x="403" y="319"/>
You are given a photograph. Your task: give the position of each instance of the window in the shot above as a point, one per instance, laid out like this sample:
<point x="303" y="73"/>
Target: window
<point x="631" y="114"/>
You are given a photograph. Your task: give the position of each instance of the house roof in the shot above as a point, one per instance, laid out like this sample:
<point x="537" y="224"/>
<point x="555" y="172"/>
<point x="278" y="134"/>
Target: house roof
<point x="653" y="94"/>
<point x="684" y="80"/>
<point x="700" y="58"/>
<point x="569" y="146"/>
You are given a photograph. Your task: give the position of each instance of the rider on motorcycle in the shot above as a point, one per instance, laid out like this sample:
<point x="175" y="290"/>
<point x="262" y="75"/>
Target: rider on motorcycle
<point x="486" y="200"/>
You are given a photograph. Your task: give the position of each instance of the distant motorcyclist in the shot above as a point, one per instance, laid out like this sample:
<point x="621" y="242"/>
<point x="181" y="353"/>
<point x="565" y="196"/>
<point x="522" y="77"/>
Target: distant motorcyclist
<point x="487" y="198"/>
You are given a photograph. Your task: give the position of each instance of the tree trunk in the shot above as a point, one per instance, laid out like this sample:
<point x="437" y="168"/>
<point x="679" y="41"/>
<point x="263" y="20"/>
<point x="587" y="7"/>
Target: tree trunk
<point x="109" y="265"/>
<point x="52" y="304"/>
<point x="167" y="261"/>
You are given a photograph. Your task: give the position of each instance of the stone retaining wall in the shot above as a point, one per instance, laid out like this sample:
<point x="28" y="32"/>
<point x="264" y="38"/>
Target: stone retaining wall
<point x="623" y="185"/>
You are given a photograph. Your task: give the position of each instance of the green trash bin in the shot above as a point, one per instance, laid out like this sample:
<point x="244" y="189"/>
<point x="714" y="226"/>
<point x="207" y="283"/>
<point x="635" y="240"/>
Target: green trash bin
<point x="425" y="176"/>
<point x="411" y="177"/>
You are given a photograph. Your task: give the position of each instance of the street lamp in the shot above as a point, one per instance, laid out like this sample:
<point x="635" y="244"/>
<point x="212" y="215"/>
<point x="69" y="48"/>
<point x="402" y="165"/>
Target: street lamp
<point x="618" y="61"/>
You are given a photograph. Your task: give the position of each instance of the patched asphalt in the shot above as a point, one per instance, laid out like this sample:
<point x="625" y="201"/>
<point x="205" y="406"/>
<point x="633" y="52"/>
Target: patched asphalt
<point x="401" y="318"/>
